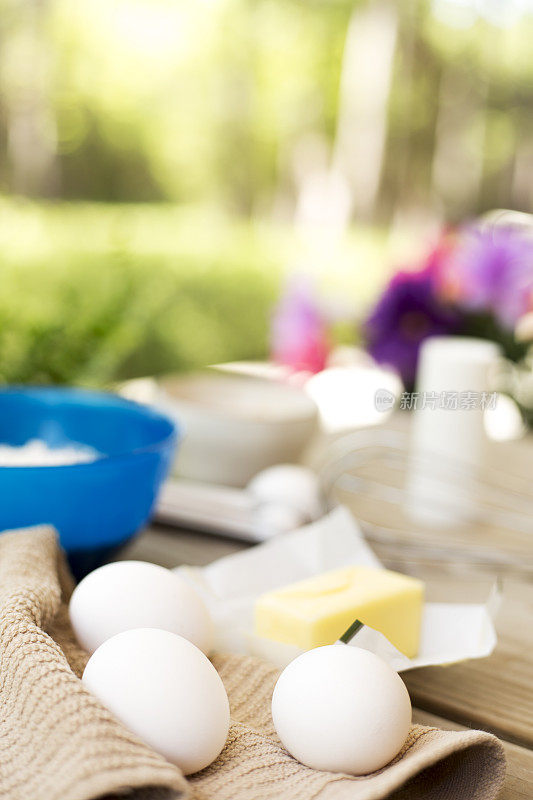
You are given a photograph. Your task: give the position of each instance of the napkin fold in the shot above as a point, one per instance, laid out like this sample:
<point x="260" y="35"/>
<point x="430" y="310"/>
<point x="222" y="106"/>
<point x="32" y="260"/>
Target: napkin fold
<point x="58" y="743"/>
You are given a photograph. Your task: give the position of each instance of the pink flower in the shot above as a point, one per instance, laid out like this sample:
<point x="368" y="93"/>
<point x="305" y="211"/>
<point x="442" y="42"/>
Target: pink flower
<point x="298" y="330"/>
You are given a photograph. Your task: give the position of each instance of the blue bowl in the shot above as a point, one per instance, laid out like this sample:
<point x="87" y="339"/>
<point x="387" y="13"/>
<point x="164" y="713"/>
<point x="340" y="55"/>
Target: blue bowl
<point x="96" y="506"/>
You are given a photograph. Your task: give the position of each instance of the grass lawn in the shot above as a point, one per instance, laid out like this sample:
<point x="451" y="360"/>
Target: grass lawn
<point x="94" y="293"/>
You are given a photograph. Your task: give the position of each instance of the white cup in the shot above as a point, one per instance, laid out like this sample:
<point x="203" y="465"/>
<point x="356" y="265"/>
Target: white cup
<point x="448" y="439"/>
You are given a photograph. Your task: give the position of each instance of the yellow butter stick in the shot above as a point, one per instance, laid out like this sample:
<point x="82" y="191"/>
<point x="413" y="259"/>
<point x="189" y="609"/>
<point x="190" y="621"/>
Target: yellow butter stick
<point x="318" y="610"/>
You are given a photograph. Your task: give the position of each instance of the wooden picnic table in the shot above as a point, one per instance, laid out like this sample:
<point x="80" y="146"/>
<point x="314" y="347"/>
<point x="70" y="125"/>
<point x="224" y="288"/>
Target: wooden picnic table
<point x="495" y="693"/>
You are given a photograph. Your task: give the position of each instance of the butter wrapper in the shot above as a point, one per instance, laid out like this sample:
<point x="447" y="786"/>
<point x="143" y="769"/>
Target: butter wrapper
<point x="451" y="632"/>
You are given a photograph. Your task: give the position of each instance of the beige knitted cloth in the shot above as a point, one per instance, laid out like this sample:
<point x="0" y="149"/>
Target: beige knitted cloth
<point x="58" y="743"/>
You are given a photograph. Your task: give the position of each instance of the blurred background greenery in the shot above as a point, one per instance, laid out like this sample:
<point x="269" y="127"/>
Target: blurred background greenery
<point x="163" y="164"/>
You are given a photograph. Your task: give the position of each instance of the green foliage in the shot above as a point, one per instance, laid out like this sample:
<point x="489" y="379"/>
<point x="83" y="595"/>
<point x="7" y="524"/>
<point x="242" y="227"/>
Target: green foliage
<point x="485" y="326"/>
<point x="231" y="101"/>
<point x="88" y="296"/>
<point x="188" y="100"/>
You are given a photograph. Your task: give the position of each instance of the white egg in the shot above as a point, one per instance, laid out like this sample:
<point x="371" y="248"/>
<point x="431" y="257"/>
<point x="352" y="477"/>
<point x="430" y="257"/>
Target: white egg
<point x="273" y="518"/>
<point x="134" y="594"/>
<point x="166" y="691"/>
<point x="342" y="709"/>
<point x="290" y="485"/>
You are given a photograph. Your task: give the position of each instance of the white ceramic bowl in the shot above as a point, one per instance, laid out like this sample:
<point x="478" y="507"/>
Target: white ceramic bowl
<point x="234" y="425"/>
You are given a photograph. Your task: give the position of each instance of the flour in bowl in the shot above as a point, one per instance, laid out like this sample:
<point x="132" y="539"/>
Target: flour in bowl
<point x="37" y="453"/>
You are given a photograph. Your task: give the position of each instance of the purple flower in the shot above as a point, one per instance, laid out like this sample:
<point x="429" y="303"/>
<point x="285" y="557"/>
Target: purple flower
<point x="408" y="312"/>
<point x="298" y="331"/>
<point x="492" y="270"/>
